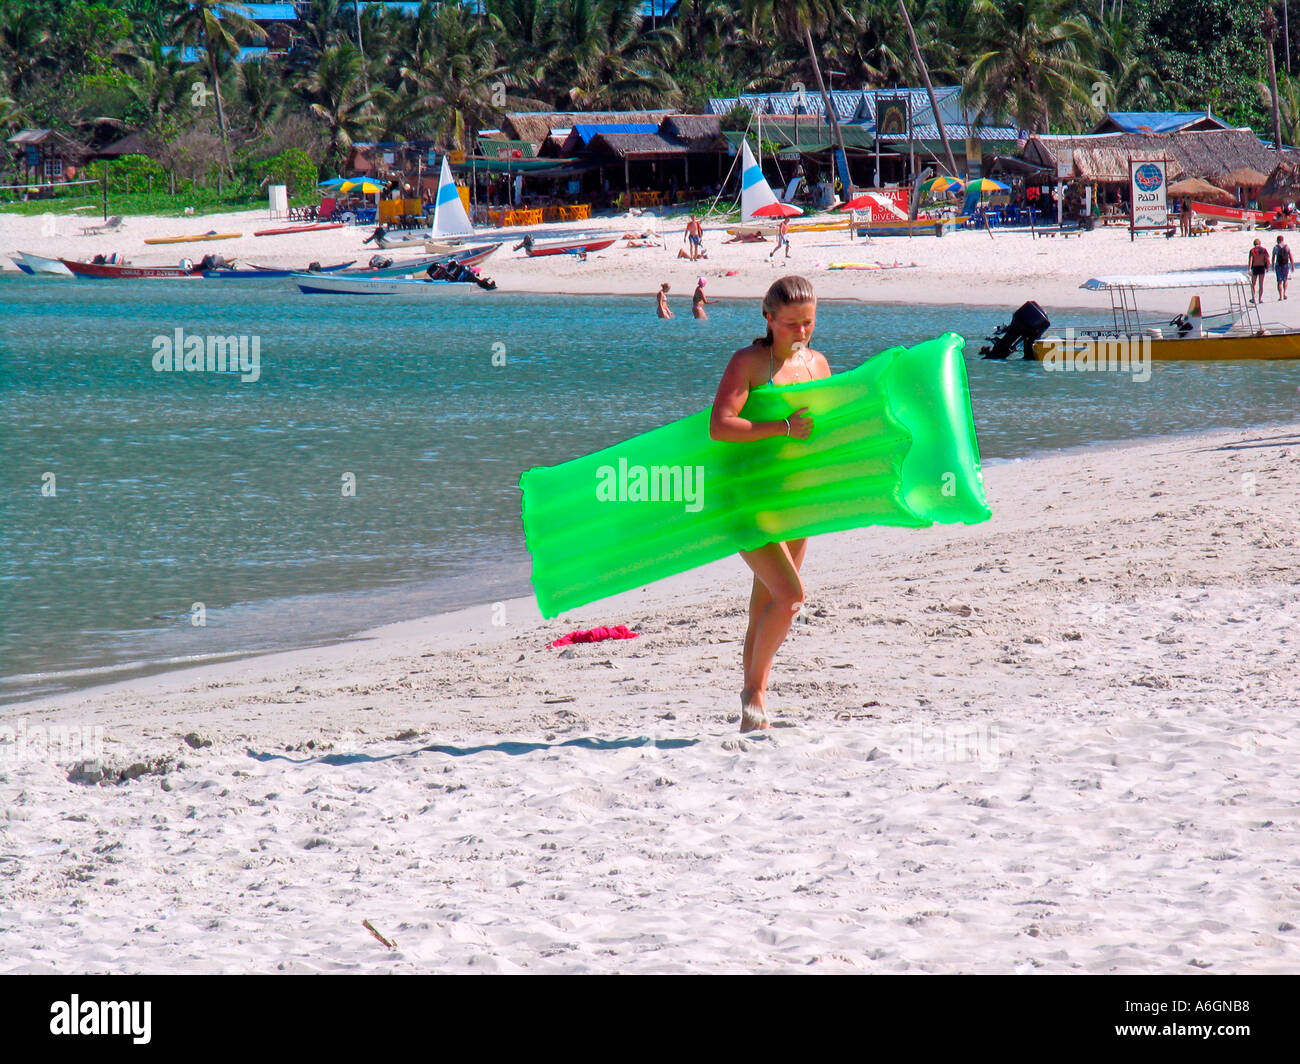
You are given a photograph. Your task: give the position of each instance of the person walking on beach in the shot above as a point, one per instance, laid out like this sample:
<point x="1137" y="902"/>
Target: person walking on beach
<point x="1282" y="263"/>
<point x="695" y="236"/>
<point x="1258" y="268"/>
<point x="663" y="310"/>
<point x="781" y="357"/>
<point x="782" y="239"/>
<point x="699" y="300"/>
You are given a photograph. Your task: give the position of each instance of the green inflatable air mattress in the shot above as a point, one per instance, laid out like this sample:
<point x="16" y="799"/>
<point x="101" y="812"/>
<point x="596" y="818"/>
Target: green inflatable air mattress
<point x="893" y="443"/>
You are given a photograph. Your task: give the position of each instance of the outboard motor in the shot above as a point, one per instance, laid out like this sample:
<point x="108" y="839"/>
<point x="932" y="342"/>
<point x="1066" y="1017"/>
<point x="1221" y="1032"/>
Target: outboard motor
<point x="1027" y="325"/>
<point x="380" y="262"/>
<point x="187" y="265"/>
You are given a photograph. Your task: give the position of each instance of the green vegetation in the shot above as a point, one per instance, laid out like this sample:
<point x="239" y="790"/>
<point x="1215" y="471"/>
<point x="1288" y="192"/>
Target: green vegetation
<point x="96" y="69"/>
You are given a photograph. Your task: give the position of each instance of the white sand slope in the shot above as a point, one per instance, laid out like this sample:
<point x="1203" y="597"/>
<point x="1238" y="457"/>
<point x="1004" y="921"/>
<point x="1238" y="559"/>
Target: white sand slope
<point x="1062" y="741"/>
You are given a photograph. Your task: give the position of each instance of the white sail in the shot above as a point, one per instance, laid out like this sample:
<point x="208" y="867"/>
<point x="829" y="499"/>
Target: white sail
<point x="449" y="217"/>
<point x="755" y="192"/>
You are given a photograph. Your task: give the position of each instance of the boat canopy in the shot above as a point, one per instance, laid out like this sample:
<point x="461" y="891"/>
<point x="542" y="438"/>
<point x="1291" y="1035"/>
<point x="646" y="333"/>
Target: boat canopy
<point x="1179" y="279"/>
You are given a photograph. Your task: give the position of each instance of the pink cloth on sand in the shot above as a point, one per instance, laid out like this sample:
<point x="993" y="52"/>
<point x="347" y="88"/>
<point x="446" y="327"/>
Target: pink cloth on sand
<point x="595" y="635"/>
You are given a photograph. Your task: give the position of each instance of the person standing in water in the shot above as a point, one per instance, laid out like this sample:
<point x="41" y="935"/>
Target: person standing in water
<point x="781" y="357"/>
<point x="699" y="299"/>
<point x="663" y="309"/>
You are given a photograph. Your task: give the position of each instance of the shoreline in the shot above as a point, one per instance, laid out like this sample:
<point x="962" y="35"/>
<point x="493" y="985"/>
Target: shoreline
<point x="964" y="268"/>
<point x="1058" y="741"/>
<point x="133" y="672"/>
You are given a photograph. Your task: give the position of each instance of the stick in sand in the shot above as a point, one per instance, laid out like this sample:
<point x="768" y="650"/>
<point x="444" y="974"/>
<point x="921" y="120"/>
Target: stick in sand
<point x="369" y="927"/>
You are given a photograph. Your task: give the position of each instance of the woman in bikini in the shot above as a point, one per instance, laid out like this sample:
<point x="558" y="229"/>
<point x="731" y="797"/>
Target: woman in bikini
<point x="699" y="300"/>
<point x="781" y="357"/>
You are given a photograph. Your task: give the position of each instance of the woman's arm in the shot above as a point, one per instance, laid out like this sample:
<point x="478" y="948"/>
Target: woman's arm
<point x="727" y="426"/>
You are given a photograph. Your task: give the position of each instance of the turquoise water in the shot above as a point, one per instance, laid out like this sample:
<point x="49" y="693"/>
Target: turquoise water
<point x="177" y="489"/>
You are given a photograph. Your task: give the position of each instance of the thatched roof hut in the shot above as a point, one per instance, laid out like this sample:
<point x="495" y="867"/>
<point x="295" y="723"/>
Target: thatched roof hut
<point x="1209" y="154"/>
<point x="536" y="126"/>
<point x="1282" y="186"/>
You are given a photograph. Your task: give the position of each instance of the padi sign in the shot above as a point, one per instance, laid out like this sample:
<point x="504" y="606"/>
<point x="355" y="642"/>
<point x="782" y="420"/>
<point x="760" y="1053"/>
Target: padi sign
<point x="1147" y="194"/>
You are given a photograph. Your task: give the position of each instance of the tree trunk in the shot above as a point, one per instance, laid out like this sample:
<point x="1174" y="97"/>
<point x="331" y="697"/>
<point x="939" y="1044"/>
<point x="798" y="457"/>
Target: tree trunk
<point x="221" y="112"/>
<point x="929" y="88"/>
<point x="1269" y="26"/>
<point x="831" y="116"/>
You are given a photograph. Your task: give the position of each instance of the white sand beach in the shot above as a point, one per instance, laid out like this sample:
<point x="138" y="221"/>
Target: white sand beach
<point x="1062" y="741"/>
<point x="968" y="267"/>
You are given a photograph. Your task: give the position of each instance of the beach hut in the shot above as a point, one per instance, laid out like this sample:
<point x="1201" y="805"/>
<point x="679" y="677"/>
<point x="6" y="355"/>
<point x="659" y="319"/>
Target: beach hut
<point x="1282" y="186"/>
<point x="1245" y="182"/>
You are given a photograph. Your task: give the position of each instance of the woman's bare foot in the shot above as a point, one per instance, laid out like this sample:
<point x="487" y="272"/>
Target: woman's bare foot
<point x="753" y="714"/>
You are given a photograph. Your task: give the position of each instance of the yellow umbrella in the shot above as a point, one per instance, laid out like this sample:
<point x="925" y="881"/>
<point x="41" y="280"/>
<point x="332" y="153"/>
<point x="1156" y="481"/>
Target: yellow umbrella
<point x="369" y="188"/>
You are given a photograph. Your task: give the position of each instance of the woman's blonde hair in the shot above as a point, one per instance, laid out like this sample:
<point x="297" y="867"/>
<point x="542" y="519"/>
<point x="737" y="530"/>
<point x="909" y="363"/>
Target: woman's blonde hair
<point x="784" y="291"/>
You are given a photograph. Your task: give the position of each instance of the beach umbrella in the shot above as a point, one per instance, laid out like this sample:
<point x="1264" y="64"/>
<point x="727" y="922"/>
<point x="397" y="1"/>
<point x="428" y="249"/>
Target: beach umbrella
<point x="777" y="210"/>
<point x="1198" y="189"/>
<point x="942" y="184"/>
<point x="333" y="182"/>
<point x="368" y="188"/>
<point x="987" y="184"/>
<point x="1247" y="178"/>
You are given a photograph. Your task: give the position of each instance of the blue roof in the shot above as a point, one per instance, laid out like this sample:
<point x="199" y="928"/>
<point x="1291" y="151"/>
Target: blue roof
<point x="193" y="55"/>
<point x="1158" y="121"/>
<point x="263" y="12"/>
<point x="586" y="131"/>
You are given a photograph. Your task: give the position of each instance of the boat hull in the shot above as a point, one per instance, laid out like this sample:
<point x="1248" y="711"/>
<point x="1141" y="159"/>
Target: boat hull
<point x="264" y="272"/>
<point x="1182" y="349"/>
<point x="314" y="284"/>
<point x="287" y="230"/>
<point x="1232" y="214"/>
<point x="579" y="248"/>
<point x="920" y="227"/>
<point x="29" y="263"/>
<point x="104" y="271"/>
<point x="191" y="239"/>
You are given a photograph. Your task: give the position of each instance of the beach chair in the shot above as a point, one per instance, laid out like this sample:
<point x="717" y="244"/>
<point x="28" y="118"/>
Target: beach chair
<point x="110" y="226"/>
<point x="325" y="212"/>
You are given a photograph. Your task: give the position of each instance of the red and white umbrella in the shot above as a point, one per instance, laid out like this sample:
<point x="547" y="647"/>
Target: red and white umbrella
<point x="777" y="210"/>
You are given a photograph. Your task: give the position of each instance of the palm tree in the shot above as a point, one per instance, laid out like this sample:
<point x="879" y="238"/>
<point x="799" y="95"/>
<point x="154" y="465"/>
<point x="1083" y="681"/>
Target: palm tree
<point x="597" y="50"/>
<point x="450" y="78"/>
<point x="1268" y="26"/>
<point x="797" y="19"/>
<point x="24" y="47"/>
<point x="1130" y="80"/>
<point x="261" y="96"/>
<point x="159" y="84"/>
<point x="335" y="95"/>
<point x="1032" y="60"/>
<point x="1288" y="104"/>
<point x="215" y="27"/>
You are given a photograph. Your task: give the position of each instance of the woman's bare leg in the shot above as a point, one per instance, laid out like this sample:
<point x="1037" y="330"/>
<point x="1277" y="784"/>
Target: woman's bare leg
<point x="775" y="598"/>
